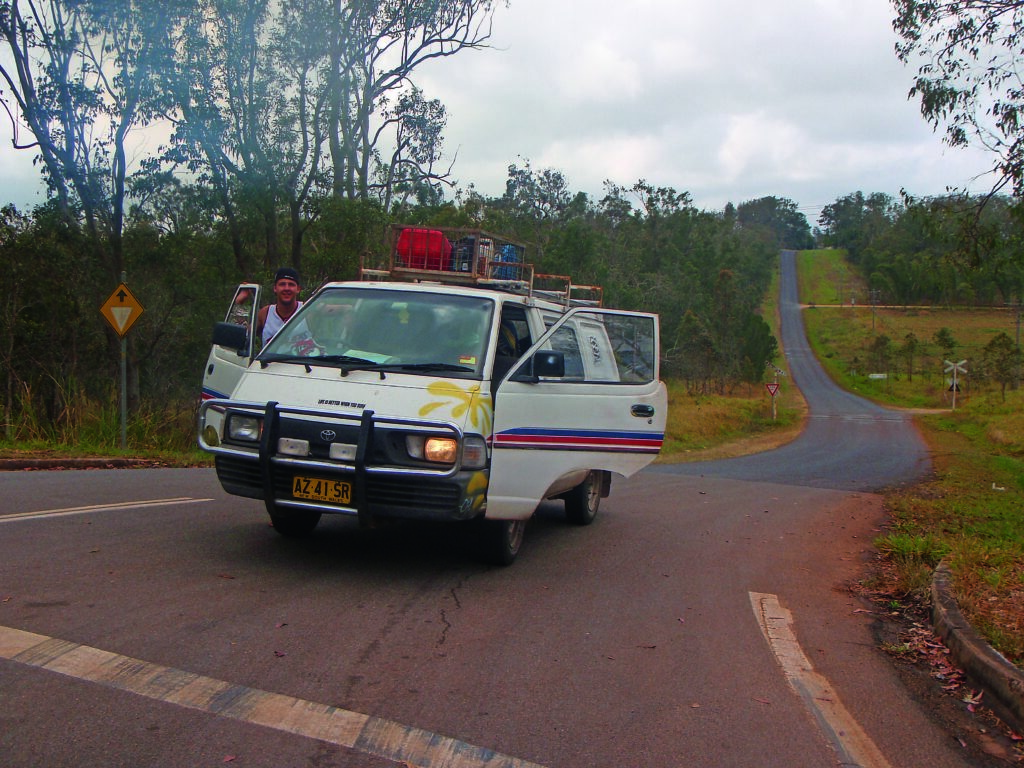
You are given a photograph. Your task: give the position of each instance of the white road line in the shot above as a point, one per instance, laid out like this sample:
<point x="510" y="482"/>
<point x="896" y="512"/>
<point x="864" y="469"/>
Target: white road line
<point x="402" y="744"/>
<point x="123" y="505"/>
<point x="853" y="745"/>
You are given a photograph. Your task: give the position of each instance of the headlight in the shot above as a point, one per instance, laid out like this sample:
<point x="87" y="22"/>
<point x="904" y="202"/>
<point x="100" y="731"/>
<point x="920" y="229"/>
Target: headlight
<point x="441" y="450"/>
<point x="444" y="450"/>
<point x="244" y="428"/>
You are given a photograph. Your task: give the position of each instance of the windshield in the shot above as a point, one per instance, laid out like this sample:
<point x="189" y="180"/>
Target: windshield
<point x="407" y="331"/>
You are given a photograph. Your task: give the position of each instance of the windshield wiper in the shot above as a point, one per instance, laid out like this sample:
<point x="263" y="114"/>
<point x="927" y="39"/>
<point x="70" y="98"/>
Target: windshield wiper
<point x="430" y="367"/>
<point x="348" y="363"/>
<point x="295" y="359"/>
<point x="308" y="360"/>
<point x="418" y="367"/>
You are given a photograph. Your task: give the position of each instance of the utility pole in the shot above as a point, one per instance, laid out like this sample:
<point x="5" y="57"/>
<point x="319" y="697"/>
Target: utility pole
<point x="1016" y="378"/>
<point x="873" y="294"/>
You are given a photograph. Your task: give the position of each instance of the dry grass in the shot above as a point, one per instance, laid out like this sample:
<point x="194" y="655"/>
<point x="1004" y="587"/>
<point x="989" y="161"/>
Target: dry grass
<point x="706" y="427"/>
<point x="842" y="337"/>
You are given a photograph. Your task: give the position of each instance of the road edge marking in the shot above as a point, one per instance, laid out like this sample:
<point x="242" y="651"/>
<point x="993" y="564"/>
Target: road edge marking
<point x="121" y="505"/>
<point x="376" y="736"/>
<point x="841" y="730"/>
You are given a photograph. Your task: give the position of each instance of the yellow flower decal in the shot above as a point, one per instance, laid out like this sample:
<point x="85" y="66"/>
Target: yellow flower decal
<point x="477" y="488"/>
<point x="461" y="400"/>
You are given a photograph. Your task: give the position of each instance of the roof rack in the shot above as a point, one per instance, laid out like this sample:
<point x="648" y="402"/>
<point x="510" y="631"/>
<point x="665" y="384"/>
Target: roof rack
<point x="474" y="258"/>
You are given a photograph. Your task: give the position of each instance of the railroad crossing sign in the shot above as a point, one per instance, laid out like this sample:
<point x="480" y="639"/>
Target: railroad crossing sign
<point x="121" y="310"/>
<point x="955" y="368"/>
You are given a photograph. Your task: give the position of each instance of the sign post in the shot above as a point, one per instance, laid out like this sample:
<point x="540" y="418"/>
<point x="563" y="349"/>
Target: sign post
<point x="955" y="368"/>
<point x="121" y="310"/>
<point x="773" y="387"/>
<point x="773" y="390"/>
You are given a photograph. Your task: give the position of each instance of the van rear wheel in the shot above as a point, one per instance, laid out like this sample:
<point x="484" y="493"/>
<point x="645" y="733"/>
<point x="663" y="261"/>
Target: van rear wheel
<point x="292" y="523"/>
<point x="582" y="502"/>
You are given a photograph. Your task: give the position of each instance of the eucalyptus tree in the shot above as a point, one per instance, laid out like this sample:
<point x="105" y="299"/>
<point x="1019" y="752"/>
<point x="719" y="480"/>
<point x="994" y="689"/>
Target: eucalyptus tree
<point x="78" y="77"/>
<point x="1000" y="361"/>
<point x="412" y="170"/>
<point x="779" y="216"/>
<point x="375" y="48"/>
<point x="852" y="221"/>
<point x="968" y="76"/>
<point x="247" y="103"/>
<point x="282" y="103"/>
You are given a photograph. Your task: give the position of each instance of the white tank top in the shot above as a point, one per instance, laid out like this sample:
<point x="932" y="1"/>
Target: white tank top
<point x="274" y="322"/>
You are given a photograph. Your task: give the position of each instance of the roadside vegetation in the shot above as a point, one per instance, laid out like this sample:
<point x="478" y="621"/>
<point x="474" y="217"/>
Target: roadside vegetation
<point x="970" y="513"/>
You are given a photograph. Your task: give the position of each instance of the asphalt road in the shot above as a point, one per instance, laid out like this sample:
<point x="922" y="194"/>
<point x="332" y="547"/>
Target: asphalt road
<point x="849" y="442"/>
<point x="703" y="620"/>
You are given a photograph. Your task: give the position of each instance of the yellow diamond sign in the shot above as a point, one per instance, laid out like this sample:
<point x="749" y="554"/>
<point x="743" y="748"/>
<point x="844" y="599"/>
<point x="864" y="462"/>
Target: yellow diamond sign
<point x="122" y="309"/>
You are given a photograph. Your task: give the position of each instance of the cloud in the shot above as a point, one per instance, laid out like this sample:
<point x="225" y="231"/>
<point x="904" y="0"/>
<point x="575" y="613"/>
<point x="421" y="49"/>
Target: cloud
<point x="729" y="101"/>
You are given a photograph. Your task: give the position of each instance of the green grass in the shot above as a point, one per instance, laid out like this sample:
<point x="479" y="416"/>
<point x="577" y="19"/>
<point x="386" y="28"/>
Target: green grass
<point x="824" y="277"/>
<point x="163" y="432"/>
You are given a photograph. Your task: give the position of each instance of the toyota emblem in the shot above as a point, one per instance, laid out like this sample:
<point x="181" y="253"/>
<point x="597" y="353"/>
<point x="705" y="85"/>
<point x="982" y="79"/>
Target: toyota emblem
<point x="328" y="435"/>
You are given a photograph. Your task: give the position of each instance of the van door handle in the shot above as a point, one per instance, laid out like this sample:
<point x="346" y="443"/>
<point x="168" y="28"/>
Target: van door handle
<point x="642" y="411"/>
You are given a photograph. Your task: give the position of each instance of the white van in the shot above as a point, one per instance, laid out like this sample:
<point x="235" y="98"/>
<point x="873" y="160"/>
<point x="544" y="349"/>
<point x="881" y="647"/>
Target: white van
<point x="432" y="401"/>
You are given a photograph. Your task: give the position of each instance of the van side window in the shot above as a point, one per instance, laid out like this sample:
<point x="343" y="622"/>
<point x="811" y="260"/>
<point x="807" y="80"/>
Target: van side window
<point x="513" y="338"/>
<point x="566" y="342"/>
<point x="607" y="348"/>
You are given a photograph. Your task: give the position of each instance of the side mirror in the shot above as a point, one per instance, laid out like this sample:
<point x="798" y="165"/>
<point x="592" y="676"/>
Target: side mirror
<point x="231" y="336"/>
<point x="549" y="363"/>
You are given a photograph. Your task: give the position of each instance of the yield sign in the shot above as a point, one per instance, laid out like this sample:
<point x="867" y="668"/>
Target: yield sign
<point x="121" y="310"/>
<point x="773" y="388"/>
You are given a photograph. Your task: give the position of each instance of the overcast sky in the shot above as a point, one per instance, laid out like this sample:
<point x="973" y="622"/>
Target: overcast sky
<point x="729" y="100"/>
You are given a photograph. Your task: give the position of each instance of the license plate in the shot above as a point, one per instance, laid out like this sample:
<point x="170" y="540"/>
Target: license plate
<point x="318" y="489"/>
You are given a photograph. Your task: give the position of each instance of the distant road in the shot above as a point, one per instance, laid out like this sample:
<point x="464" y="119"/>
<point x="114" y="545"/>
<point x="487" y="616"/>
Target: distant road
<point x="849" y="443"/>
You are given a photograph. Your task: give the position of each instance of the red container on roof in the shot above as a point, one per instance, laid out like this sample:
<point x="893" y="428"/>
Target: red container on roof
<point x="424" y="249"/>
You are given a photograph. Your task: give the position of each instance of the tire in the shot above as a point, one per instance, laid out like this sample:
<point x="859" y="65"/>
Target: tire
<point x="295" y="523"/>
<point x="502" y="540"/>
<point x="582" y="502"/>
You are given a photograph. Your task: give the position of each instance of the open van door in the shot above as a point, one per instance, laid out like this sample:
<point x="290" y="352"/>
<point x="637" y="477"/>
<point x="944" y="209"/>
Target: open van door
<point x="584" y="401"/>
<point x="234" y="344"/>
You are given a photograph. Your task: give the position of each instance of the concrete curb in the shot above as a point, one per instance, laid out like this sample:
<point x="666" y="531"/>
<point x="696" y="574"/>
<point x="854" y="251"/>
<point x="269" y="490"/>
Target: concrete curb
<point x="1001" y="680"/>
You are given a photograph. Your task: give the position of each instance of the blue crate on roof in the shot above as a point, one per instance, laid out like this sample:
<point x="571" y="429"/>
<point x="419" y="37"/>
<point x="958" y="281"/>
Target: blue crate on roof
<point x="509" y="253"/>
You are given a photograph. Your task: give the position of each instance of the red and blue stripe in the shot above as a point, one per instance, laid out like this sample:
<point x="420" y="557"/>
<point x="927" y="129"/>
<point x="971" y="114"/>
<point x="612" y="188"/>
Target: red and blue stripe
<point x="211" y="394"/>
<point x="580" y="440"/>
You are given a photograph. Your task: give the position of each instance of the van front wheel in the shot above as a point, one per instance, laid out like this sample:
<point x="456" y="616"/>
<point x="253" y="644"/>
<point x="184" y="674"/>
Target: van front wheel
<point x="502" y="540"/>
<point x="582" y="502"/>
<point x="293" y="523"/>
